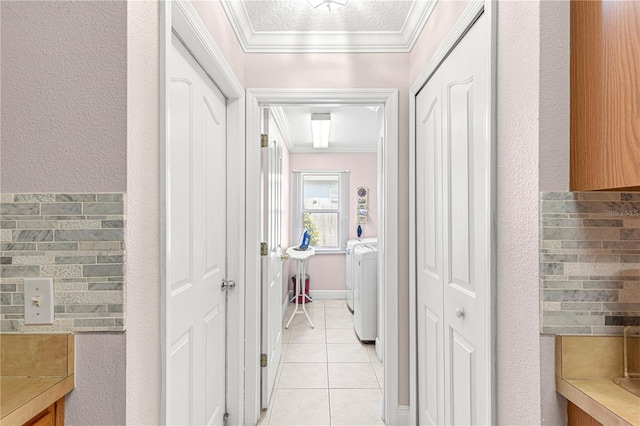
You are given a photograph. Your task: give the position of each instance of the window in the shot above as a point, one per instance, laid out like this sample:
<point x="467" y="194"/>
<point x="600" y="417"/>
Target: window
<point x="321" y="206"/>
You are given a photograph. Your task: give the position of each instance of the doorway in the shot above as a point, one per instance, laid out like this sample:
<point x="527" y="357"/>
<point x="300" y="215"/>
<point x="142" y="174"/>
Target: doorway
<point x="335" y="303"/>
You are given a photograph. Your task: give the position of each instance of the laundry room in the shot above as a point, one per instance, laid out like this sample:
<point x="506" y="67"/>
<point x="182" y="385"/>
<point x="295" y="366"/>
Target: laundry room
<point x="322" y="171"/>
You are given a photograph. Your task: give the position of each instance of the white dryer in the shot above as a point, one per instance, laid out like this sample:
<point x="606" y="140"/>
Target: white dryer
<point x="351" y="244"/>
<point x="365" y="292"/>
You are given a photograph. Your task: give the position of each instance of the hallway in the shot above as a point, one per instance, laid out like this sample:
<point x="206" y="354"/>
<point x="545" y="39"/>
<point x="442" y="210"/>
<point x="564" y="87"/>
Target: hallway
<point x="326" y="376"/>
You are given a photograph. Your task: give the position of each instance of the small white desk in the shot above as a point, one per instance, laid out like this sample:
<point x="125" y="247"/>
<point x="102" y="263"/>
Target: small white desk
<point x="300" y="257"/>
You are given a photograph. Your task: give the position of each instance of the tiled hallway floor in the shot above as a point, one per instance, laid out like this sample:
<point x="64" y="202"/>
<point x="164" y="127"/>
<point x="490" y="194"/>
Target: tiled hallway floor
<point x="326" y="376"/>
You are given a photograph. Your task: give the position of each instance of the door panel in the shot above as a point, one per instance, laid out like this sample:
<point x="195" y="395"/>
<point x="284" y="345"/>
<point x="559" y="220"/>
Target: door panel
<point x="433" y="366"/>
<point x="462" y="380"/>
<point x="182" y="380"/>
<point x="467" y="163"/>
<point x="430" y="277"/>
<point x="271" y="269"/>
<point x="460" y="170"/>
<point x="214" y="330"/>
<point x="196" y="243"/>
<point x="180" y="209"/>
<point x="453" y="237"/>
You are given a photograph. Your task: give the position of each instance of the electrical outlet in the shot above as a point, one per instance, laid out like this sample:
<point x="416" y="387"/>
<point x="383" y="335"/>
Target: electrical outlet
<point x="38" y="301"/>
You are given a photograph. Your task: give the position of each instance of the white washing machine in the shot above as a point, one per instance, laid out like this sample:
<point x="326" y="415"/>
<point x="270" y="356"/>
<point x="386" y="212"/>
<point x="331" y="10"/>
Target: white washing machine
<point x="351" y="244"/>
<point x="365" y="292"/>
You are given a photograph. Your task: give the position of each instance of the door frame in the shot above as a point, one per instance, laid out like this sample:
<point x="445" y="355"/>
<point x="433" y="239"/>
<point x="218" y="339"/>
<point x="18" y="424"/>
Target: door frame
<point x="180" y="16"/>
<point x="462" y="25"/>
<point x="387" y="237"/>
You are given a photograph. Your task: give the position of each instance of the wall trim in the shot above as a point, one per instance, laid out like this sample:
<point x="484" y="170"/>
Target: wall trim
<point x="403" y="415"/>
<point x="387" y="239"/>
<point x="189" y="28"/>
<point x="285" y="303"/>
<point x="324" y="41"/>
<point x="462" y="25"/>
<point x="328" y="294"/>
<point x="282" y="122"/>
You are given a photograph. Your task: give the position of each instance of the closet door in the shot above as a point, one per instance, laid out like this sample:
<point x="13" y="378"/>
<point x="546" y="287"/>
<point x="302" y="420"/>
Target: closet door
<point x="467" y="227"/>
<point x="453" y="237"/>
<point x="430" y="256"/>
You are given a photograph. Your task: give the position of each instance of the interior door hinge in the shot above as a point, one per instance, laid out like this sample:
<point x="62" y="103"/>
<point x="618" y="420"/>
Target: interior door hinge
<point x="264" y="249"/>
<point x="263" y="360"/>
<point x="264" y="140"/>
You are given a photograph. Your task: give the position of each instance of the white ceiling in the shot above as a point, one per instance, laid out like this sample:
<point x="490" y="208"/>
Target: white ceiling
<point x="295" y="26"/>
<point x="354" y="128"/>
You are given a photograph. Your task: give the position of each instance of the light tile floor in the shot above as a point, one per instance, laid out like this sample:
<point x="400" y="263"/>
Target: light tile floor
<point x="326" y="375"/>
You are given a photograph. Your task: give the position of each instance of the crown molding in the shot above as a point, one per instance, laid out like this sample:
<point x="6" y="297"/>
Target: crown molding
<point x="328" y="42"/>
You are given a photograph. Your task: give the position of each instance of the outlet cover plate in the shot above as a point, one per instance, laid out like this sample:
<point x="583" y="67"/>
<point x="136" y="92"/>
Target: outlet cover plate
<point x="38" y="289"/>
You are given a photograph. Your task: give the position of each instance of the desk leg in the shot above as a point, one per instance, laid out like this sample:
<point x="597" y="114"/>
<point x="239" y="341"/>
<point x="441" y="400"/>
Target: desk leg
<point x="299" y="291"/>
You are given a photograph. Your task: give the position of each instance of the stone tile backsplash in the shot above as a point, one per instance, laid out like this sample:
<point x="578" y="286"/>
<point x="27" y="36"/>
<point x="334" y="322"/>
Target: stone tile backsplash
<point x="76" y="239"/>
<point x="589" y="262"/>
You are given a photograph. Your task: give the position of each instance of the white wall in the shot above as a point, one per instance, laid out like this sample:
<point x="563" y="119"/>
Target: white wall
<point x="554" y="162"/>
<point x="98" y="397"/>
<point x="143" y="300"/>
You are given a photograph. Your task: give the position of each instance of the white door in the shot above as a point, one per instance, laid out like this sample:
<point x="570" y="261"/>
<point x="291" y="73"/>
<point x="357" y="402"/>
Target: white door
<point x="429" y="256"/>
<point x="195" y="245"/>
<point x="271" y="261"/>
<point x="455" y="266"/>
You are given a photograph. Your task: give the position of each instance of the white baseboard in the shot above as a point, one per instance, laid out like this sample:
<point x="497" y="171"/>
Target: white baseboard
<point x="315" y="294"/>
<point x="328" y="294"/>
<point x="403" y="415"/>
<point x="379" y="350"/>
<point x="285" y="303"/>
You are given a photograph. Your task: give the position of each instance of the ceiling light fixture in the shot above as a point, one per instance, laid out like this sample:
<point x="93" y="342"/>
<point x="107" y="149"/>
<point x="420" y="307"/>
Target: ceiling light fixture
<point x="320" y="129"/>
<point x="331" y="4"/>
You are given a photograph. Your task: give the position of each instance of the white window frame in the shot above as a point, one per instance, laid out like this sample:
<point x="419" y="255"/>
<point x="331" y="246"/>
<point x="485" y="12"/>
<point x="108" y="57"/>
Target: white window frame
<point x="343" y="207"/>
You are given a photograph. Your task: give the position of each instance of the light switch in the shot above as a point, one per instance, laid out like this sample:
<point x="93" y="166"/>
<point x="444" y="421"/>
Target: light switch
<point x="38" y="301"/>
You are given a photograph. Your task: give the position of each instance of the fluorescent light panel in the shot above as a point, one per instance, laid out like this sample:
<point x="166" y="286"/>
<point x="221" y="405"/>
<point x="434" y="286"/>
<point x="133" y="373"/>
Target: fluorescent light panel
<point x="320" y="129"/>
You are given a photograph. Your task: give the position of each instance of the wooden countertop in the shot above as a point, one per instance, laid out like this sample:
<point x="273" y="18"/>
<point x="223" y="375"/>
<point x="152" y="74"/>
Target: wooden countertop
<point x="37" y="370"/>
<point x="585" y="369"/>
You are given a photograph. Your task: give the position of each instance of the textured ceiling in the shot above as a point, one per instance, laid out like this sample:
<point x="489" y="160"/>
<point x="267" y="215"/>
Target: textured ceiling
<point x="295" y="26"/>
<point x="353" y="128"/>
<point x="299" y="15"/>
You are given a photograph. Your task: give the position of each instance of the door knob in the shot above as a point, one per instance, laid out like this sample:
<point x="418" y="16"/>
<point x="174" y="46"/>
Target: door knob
<point x="284" y="257"/>
<point x="460" y="312"/>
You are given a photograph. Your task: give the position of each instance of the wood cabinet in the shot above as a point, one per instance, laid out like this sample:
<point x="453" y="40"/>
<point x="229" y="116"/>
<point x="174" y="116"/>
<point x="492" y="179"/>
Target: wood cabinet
<point x="577" y="417"/>
<point x="605" y="95"/>
<point x="53" y="415"/>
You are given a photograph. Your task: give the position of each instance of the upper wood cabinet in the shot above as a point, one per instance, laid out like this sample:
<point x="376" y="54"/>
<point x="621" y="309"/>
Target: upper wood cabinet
<point x="605" y="95"/>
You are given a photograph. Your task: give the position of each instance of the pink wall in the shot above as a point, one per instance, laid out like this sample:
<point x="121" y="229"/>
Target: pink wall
<point x="444" y="15"/>
<point x="363" y="172"/>
<point x="214" y="18"/>
<point x="327" y="271"/>
<point x="64" y="96"/>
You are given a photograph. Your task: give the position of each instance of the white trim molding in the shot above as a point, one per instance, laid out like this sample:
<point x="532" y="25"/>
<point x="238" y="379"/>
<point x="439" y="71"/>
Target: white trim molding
<point x="387" y="238"/>
<point x="253" y="41"/>
<point x="328" y="294"/>
<point x="474" y="9"/>
<point x="403" y="415"/>
<point x="189" y="28"/>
